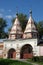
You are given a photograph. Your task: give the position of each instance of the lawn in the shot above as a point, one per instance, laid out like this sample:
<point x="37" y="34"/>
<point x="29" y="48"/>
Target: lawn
<point x="40" y="63"/>
<point x="12" y="62"/>
<point x="36" y="62"/>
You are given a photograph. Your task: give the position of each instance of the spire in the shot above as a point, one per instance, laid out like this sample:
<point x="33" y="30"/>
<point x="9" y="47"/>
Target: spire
<point x="30" y="12"/>
<point x="30" y="27"/>
<point x="16" y="11"/>
<point x="16" y="29"/>
<point x="17" y="14"/>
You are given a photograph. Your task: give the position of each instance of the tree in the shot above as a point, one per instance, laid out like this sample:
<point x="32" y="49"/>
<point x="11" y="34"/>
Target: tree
<point x="40" y="28"/>
<point x="23" y="20"/>
<point x="2" y="27"/>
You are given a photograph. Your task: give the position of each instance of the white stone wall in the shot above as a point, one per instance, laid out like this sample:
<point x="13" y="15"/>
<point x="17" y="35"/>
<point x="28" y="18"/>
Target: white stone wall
<point x="41" y="50"/>
<point x="19" y="43"/>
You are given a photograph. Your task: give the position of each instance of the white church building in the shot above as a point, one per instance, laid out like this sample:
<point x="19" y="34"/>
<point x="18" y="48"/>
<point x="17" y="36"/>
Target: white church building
<point x="22" y="45"/>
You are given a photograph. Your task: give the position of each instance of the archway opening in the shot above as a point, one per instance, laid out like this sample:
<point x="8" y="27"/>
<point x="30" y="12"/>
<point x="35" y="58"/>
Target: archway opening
<point x="12" y="53"/>
<point x="26" y="52"/>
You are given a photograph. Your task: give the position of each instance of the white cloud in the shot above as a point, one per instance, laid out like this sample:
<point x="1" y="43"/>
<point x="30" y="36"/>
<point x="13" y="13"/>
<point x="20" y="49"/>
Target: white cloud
<point x="9" y="16"/>
<point x="9" y="10"/>
<point x="1" y="15"/>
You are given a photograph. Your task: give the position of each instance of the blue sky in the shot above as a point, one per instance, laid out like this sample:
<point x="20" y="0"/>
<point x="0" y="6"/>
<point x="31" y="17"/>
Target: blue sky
<point x="8" y="9"/>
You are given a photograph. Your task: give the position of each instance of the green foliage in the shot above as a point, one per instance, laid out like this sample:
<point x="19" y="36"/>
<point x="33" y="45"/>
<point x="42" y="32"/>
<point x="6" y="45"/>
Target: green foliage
<point x="12" y="62"/>
<point x="2" y="24"/>
<point x="41" y="58"/>
<point x="37" y="59"/>
<point x="2" y="27"/>
<point x="23" y="20"/>
<point x="40" y="28"/>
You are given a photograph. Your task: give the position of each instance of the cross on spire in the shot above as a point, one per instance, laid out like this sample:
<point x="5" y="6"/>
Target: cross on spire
<point x="30" y="12"/>
<point x="16" y="11"/>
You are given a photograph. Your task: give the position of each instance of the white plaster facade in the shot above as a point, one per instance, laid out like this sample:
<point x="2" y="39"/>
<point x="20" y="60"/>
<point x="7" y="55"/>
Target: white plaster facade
<point x="18" y="44"/>
<point x="18" y="39"/>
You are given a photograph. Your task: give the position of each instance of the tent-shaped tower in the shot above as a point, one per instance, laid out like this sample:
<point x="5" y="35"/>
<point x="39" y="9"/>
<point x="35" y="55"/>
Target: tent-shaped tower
<point x="16" y="30"/>
<point x="30" y="31"/>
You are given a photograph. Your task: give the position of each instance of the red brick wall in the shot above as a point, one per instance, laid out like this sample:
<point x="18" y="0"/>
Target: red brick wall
<point x="25" y="56"/>
<point x="14" y="55"/>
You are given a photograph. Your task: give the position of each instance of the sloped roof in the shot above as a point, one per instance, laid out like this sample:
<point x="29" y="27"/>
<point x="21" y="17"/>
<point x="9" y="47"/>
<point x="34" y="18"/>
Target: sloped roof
<point x="30" y="27"/>
<point x="16" y="28"/>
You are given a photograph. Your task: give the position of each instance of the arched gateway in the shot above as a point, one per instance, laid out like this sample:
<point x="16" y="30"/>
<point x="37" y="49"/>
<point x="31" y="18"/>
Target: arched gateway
<point x="12" y="53"/>
<point x="26" y="52"/>
<point x="18" y="38"/>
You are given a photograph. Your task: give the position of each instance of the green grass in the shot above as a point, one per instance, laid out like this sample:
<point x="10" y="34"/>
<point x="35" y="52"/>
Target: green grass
<point x="36" y="62"/>
<point x="12" y="62"/>
<point x="40" y="63"/>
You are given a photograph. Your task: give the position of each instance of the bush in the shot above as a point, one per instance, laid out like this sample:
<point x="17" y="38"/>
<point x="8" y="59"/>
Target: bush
<point x="41" y="58"/>
<point x="37" y="58"/>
